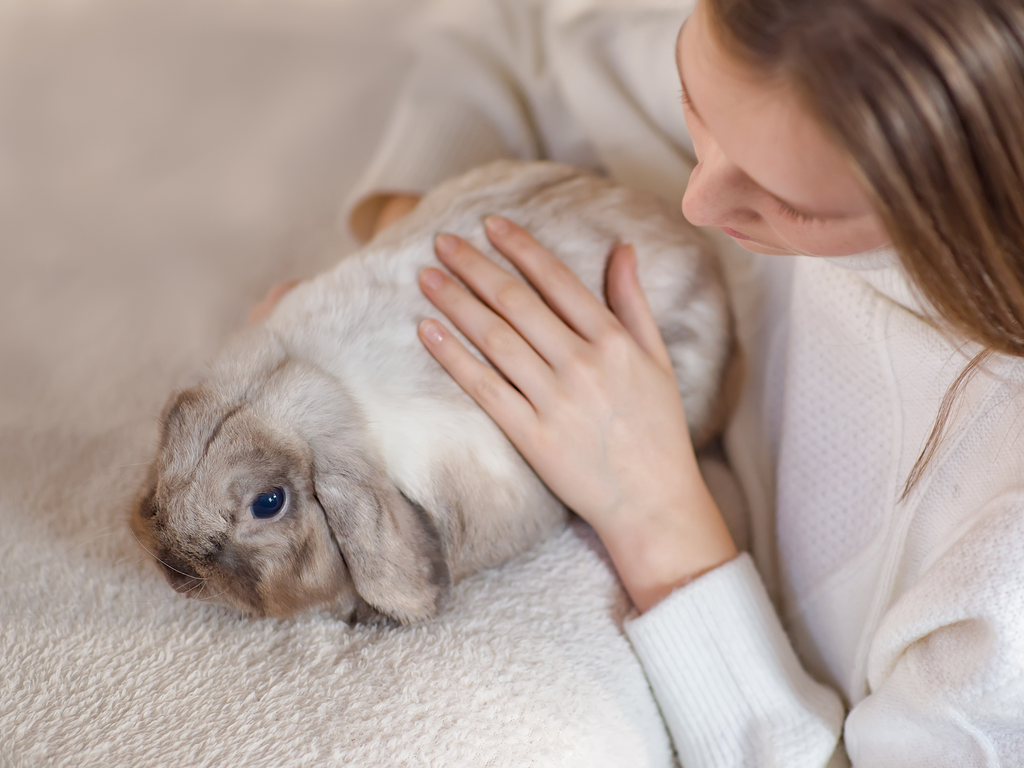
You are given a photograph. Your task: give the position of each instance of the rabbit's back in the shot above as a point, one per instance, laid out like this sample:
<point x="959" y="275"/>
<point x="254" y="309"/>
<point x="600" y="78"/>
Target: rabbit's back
<point x="358" y="322"/>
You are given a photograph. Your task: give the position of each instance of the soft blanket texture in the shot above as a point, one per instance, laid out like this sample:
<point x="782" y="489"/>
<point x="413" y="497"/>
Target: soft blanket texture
<point x="161" y="164"/>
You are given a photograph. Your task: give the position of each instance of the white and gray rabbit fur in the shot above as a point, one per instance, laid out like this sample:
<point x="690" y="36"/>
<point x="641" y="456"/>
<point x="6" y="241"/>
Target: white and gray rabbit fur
<point x="396" y="484"/>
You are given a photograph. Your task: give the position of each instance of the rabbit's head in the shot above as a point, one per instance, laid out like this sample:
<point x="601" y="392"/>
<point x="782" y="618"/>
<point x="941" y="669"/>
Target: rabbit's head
<point x="265" y="496"/>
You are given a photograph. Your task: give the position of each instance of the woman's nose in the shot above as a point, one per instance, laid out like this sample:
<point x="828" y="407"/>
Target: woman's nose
<point x="718" y="193"/>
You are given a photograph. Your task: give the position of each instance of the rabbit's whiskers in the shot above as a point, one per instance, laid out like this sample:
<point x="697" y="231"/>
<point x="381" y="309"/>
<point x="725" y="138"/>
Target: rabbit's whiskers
<point x="161" y="560"/>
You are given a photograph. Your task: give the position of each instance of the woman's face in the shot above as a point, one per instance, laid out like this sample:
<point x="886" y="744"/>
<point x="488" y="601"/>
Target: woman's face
<point x="766" y="173"/>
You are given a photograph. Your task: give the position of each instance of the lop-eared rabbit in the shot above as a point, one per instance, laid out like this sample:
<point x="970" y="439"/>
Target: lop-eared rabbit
<point x="324" y="459"/>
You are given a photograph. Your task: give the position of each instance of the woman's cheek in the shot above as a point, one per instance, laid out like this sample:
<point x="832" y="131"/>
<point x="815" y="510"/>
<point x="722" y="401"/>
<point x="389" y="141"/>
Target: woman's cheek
<point x="845" y="238"/>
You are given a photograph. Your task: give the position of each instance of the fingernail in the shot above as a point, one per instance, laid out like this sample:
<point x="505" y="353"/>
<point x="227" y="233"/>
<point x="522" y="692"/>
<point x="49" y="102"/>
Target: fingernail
<point x="625" y="252"/>
<point x="431" y="331"/>
<point x="445" y="244"/>
<point x="497" y="224"/>
<point x="632" y="256"/>
<point x="431" y="278"/>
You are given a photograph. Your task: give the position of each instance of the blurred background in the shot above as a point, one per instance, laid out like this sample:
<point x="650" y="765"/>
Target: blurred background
<point x="162" y="163"/>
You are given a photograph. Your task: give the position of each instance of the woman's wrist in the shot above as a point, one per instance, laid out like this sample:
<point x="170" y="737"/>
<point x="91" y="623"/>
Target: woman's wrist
<point x="658" y="551"/>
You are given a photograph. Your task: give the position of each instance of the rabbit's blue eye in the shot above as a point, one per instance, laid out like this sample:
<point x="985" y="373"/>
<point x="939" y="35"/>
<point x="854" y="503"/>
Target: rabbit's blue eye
<point x="268" y="504"/>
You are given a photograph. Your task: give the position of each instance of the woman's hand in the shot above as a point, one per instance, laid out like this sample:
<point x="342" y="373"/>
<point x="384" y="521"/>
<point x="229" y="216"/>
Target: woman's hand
<point x="588" y="397"/>
<point x="392" y="208"/>
<point x="261" y="311"/>
<point x="397" y="206"/>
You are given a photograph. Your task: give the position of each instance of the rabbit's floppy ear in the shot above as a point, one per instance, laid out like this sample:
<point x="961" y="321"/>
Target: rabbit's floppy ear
<point x="392" y="548"/>
<point x="193" y="417"/>
<point x="190" y="421"/>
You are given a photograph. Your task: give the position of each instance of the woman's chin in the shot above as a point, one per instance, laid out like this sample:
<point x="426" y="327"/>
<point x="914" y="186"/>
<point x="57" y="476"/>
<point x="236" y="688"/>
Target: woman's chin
<point x="843" y="248"/>
<point x="756" y="247"/>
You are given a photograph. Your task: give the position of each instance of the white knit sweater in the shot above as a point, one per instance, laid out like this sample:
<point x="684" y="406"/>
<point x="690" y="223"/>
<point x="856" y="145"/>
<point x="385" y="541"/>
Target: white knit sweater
<point x="896" y="625"/>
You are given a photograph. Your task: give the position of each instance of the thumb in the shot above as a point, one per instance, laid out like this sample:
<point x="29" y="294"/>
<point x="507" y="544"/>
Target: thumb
<point x="627" y="300"/>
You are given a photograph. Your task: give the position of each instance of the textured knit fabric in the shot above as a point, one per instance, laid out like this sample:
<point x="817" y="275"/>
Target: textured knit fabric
<point x="883" y="629"/>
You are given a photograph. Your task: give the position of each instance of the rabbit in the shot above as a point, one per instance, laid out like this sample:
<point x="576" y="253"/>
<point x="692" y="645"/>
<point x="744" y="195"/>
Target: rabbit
<point x="326" y="460"/>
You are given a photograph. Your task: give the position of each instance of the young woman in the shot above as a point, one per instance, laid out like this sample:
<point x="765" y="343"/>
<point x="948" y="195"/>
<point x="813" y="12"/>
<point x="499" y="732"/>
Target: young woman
<point x="873" y="151"/>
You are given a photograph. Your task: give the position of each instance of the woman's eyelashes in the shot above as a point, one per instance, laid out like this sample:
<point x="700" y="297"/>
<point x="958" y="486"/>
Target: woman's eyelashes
<point x="793" y="214"/>
<point x="684" y="97"/>
<point x="689" y="111"/>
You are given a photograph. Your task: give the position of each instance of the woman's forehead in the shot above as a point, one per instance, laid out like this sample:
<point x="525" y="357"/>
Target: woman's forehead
<point x="761" y="126"/>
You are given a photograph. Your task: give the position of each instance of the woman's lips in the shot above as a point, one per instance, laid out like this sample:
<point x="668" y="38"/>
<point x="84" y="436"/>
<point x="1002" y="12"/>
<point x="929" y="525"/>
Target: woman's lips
<point x="734" y="233"/>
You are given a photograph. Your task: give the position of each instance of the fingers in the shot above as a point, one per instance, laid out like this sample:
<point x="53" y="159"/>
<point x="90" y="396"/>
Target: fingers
<point x="627" y="300"/>
<point x="510" y="298"/>
<point x="561" y="289"/>
<point x="510" y="410"/>
<point x="492" y="335"/>
<point x="261" y="311"/>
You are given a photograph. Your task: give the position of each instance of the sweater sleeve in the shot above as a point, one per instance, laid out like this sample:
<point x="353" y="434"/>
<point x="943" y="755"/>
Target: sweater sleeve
<point x="480" y="89"/>
<point x="730" y="686"/>
<point x="946" y="666"/>
<point x="591" y="83"/>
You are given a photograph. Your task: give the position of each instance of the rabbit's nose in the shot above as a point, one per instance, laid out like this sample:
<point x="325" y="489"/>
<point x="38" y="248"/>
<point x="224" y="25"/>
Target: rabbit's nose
<point x="180" y="575"/>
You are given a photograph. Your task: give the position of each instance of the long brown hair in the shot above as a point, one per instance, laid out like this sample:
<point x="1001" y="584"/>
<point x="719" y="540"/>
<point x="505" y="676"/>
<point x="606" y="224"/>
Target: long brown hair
<point x="927" y="99"/>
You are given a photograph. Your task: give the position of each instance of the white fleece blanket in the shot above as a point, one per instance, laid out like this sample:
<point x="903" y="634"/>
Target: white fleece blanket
<point x="162" y="162"/>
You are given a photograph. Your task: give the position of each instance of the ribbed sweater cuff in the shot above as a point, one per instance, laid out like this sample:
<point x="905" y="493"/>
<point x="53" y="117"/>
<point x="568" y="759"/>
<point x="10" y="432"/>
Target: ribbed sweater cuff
<point x="730" y="687"/>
